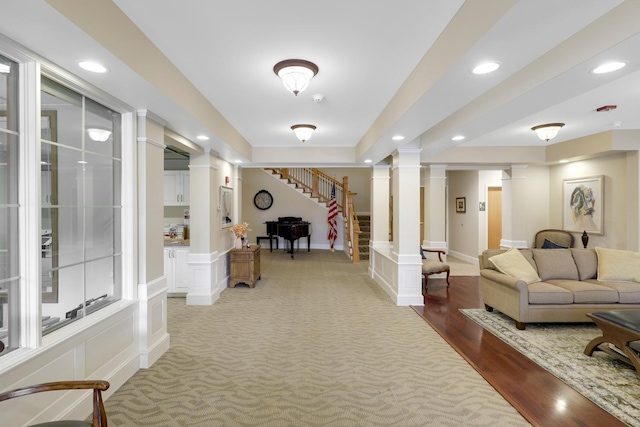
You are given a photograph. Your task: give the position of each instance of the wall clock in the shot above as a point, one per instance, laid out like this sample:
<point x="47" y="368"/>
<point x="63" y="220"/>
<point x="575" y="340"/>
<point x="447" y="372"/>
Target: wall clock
<point x="263" y="200"/>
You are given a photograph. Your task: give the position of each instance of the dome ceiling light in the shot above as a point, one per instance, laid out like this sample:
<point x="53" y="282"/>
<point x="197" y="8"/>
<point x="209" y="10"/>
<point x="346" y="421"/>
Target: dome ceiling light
<point x="295" y="74"/>
<point x="98" y="134"/>
<point x="548" y="131"/>
<point x="303" y="132"/>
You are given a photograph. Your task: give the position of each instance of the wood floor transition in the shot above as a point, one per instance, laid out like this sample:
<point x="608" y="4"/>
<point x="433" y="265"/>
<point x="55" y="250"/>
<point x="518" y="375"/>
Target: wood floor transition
<point x="539" y="396"/>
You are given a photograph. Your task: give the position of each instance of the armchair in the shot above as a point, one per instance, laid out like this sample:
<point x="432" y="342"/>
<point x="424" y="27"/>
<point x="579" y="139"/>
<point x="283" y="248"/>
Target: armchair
<point x="99" y="414"/>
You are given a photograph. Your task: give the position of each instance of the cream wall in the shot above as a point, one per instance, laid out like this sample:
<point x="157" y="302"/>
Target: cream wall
<point x="359" y="183"/>
<point x="620" y="199"/>
<point x="463" y="230"/>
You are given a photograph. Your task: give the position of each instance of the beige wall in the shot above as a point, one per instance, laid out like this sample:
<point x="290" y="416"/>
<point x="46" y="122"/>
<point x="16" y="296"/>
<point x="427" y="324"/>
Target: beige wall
<point x="359" y="182"/>
<point x="463" y="227"/>
<point x="618" y="197"/>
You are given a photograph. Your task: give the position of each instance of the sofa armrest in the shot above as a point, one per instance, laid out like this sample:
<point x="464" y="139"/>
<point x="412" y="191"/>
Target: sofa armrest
<point x="504" y="279"/>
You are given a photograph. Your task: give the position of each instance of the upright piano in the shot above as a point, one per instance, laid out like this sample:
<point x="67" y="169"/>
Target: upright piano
<point x="290" y="228"/>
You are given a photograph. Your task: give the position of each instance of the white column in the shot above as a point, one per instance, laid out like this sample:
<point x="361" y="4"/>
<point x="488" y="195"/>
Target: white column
<point x="435" y="181"/>
<point x="152" y="283"/>
<point x="406" y="226"/>
<point x="380" y="188"/>
<point x="204" y="261"/>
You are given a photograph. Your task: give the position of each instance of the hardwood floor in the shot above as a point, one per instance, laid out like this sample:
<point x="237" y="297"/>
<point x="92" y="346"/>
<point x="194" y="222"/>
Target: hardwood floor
<point x="539" y="396"/>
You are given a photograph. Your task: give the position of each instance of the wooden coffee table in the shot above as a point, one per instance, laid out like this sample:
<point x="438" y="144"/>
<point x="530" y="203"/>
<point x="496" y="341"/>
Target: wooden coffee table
<point x="620" y="328"/>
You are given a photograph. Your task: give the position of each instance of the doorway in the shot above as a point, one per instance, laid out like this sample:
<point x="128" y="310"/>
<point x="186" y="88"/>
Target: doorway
<point x="494" y="215"/>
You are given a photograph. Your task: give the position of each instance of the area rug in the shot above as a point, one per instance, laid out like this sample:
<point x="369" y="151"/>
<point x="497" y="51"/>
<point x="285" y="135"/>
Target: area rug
<point x="611" y="384"/>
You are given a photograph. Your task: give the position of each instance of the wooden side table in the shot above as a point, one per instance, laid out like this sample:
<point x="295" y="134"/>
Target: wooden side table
<point x="245" y="266"/>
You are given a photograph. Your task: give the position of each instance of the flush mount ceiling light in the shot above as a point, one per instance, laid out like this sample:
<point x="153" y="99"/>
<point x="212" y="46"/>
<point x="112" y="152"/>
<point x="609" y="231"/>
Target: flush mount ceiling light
<point x="94" y="67"/>
<point x="98" y="134"/>
<point x="548" y="131"/>
<point x="608" y="67"/>
<point x="486" y="67"/>
<point x="295" y="74"/>
<point x="303" y="132"/>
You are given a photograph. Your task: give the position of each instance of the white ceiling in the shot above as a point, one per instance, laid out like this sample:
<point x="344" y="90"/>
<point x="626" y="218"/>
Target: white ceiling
<point x="386" y="68"/>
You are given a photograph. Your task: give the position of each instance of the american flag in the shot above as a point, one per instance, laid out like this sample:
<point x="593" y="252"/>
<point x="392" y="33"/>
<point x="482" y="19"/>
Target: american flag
<point x="331" y="219"/>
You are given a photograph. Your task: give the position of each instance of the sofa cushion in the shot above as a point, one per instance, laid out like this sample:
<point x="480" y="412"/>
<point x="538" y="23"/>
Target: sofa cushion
<point x="588" y="292"/>
<point x="546" y="293"/>
<point x="618" y="265"/>
<point x="513" y="263"/>
<point x="628" y="292"/>
<point x="587" y="262"/>
<point x="555" y="264"/>
<point x="548" y="244"/>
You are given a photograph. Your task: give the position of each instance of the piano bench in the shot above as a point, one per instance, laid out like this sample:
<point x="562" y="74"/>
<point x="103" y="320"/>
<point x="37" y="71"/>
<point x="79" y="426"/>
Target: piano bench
<point x="267" y="238"/>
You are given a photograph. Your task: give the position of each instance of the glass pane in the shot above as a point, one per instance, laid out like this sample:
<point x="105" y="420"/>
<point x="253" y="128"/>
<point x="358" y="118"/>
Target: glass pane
<point x="8" y="168"/>
<point x="70" y="296"/>
<point x="99" y="122"/>
<point x="67" y="238"/>
<point x="9" y="319"/>
<point x="67" y="173"/>
<point x="8" y="242"/>
<point x="99" y="180"/>
<point x="99" y="233"/>
<point x="101" y="274"/>
<point x="64" y="113"/>
<point x="8" y="94"/>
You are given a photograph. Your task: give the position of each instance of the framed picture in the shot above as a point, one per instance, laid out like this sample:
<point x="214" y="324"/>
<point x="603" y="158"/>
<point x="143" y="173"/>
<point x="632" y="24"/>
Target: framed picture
<point x="226" y="207"/>
<point x="583" y="205"/>
<point x="461" y="204"/>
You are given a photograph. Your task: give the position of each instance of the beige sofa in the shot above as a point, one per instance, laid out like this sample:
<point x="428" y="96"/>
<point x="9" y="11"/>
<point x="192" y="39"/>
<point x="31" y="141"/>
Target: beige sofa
<point x="564" y="286"/>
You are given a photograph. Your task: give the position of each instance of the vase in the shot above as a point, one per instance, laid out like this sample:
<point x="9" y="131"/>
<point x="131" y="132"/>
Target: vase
<point x="238" y="242"/>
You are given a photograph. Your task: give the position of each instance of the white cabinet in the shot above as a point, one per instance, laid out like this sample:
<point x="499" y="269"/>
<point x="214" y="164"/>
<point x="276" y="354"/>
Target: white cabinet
<point x="176" y="269"/>
<point x="176" y="188"/>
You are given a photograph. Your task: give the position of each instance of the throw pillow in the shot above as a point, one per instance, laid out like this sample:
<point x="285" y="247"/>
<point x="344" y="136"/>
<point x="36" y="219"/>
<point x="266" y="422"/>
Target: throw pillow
<point x="548" y="244"/>
<point x="618" y="265"/>
<point x="557" y="264"/>
<point x="513" y="263"/>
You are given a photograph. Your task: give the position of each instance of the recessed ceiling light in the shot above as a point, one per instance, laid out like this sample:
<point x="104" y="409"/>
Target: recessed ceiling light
<point x="457" y="138"/>
<point x="82" y="162"/>
<point x="608" y="67"/>
<point x="368" y="161"/>
<point x="486" y="67"/>
<point x="203" y="137"/>
<point x="238" y="161"/>
<point x="397" y="138"/>
<point x="564" y="161"/>
<point x="94" y="67"/>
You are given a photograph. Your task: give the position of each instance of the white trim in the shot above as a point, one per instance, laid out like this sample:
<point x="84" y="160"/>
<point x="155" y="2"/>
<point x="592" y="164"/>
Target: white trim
<point x="520" y="244"/>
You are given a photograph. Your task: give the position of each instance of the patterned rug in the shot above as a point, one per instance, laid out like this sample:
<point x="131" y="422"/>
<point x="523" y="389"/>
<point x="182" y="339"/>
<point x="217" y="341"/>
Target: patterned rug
<point x="611" y="384"/>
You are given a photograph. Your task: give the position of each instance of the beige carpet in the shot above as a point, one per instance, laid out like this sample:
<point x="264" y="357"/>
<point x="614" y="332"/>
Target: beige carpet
<point x="316" y="343"/>
<point x="462" y="268"/>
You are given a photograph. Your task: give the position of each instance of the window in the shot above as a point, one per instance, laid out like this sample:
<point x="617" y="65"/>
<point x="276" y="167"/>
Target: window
<point x="9" y="179"/>
<point x="81" y="256"/>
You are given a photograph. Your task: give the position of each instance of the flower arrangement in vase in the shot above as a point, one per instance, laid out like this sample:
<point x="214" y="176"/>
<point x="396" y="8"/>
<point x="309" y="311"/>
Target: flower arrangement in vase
<point x="240" y="231"/>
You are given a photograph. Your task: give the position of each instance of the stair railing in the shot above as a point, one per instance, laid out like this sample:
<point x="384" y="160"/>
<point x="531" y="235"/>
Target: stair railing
<point x="316" y="182"/>
<point x="353" y="229"/>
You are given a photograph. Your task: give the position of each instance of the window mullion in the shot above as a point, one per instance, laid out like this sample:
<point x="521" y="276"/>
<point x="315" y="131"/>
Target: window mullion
<point x="29" y="196"/>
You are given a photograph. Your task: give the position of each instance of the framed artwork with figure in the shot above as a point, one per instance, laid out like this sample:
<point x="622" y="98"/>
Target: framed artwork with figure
<point x="583" y="205"/>
<point x="461" y="204"/>
<point x="226" y="207"/>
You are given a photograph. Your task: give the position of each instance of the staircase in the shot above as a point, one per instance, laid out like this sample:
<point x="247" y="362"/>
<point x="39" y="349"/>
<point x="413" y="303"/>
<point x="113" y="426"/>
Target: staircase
<point x="318" y="186"/>
<point x="364" y="236"/>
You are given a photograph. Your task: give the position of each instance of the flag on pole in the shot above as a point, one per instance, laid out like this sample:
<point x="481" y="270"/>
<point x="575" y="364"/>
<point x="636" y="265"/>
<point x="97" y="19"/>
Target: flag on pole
<point x="332" y="218"/>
